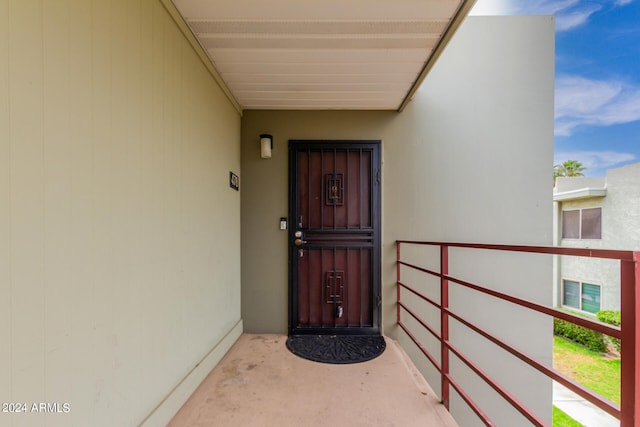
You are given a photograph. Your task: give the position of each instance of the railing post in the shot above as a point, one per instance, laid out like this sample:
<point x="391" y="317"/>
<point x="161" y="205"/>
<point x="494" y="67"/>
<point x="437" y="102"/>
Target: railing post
<point x="444" y="323"/>
<point x="630" y="350"/>
<point x="398" y="279"/>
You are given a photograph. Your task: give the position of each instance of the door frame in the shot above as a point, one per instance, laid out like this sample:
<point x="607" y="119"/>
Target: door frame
<point x="376" y="212"/>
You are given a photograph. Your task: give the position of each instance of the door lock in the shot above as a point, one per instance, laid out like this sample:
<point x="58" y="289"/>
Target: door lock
<point x="298" y="236"/>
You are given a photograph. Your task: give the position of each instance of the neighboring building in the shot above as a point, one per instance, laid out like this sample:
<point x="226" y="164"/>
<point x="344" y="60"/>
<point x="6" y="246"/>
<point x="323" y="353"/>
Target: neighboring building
<point x="129" y="264"/>
<point x="602" y="213"/>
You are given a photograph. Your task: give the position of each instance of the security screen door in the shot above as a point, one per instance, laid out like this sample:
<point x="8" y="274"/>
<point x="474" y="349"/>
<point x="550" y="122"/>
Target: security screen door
<point x="334" y="237"/>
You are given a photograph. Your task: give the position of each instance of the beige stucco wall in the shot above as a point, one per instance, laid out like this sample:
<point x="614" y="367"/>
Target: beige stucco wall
<point x="119" y="234"/>
<point x="620" y="230"/>
<point x="468" y="160"/>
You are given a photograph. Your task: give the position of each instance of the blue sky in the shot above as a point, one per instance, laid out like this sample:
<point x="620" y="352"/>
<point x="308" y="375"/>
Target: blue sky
<point x="597" y="99"/>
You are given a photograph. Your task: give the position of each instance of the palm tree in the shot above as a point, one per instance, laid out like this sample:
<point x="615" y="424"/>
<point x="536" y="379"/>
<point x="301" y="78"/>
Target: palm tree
<point x="568" y="168"/>
<point x="573" y="168"/>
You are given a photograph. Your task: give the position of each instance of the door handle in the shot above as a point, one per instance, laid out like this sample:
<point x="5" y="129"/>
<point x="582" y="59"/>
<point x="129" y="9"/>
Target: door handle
<point x="299" y="241"/>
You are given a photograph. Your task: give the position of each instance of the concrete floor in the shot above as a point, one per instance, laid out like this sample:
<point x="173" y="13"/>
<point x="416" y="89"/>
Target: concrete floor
<point x="260" y="383"/>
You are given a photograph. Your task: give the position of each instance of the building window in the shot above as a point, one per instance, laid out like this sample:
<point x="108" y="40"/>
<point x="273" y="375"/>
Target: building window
<point x="581" y="296"/>
<point x="582" y="224"/>
<point x="571" y="224"/>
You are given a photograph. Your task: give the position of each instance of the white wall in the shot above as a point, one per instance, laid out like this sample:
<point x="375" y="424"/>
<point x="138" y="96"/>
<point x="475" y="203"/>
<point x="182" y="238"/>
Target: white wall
<point x="119" y="235"/>
<point x="474" y="165"/>
<point x="470" y="159"/>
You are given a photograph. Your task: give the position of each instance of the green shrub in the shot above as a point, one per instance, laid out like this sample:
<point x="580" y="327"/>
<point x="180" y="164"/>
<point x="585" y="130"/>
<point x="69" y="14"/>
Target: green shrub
<point x="611" y="317"/>
<point x="593" y="340"/>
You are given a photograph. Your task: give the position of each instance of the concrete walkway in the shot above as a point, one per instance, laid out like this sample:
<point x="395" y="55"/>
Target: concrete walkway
<point x="260" y="383"/>
<point x="581" y="410"/>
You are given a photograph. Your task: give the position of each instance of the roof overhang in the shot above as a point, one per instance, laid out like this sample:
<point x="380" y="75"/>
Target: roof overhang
<point x="580" y="193"/>
<point x="333" y="54"/>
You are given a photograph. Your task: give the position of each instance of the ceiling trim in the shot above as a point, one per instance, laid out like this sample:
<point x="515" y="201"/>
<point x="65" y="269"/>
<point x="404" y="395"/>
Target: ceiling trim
<point x="455" y="23"/>
<point x="200" y="51"/>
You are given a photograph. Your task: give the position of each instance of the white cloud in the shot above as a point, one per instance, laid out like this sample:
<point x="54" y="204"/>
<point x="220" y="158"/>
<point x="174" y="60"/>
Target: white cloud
<point x="595" y="162"/>
<point x="584" y="102"/>
<point x="547" y="7"/>
<point x="522" y="7"/>
<point x="569" y="13"/>
<point x="493" y="7"/>
<point x="575" y="18"/>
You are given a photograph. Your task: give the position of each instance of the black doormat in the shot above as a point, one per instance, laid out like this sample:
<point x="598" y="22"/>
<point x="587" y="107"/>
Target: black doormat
<point x="339" y="349"/>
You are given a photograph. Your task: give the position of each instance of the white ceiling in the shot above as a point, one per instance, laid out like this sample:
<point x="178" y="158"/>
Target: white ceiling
<point x="328" y="54"/>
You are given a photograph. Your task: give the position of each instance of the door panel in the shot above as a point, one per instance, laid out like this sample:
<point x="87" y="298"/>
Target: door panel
<point x="332" y="278"/>
<point x="348" y="172"/>
<point x="335" y="209"/>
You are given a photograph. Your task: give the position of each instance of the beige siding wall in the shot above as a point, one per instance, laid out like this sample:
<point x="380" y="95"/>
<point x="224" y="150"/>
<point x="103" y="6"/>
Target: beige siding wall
<point x="5" y="198"/>
<point x="265" y="201"/>
<point x="468" y="160"/>
<point x="119" y="235"/>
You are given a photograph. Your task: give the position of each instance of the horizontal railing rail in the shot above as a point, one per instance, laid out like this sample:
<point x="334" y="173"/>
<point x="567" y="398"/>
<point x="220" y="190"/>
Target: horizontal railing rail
<point x="629" y="410"/>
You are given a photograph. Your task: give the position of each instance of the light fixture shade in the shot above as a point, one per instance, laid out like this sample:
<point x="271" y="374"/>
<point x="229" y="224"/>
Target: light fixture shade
<point x="266" y="144"/>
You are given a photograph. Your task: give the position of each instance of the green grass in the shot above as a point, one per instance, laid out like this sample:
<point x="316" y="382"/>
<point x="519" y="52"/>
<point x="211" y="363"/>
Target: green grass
<point x="596" y="371"/>
<point x="560" y="419"/>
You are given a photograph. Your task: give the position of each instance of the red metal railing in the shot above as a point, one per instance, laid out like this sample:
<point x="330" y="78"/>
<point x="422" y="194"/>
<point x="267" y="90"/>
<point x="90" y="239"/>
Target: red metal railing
<point x="628" y="412"/>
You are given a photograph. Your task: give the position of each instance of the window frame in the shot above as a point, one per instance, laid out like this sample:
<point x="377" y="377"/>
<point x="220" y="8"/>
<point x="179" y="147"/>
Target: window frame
<point x="580" y="224"/>
<point x="581" y="284"/>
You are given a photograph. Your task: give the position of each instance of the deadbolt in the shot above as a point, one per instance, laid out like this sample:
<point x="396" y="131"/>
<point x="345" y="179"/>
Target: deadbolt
<point x="299" y="242"/>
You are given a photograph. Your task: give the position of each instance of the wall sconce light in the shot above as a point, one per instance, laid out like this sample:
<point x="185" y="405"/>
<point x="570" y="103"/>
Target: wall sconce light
<point x="266" y="145"/>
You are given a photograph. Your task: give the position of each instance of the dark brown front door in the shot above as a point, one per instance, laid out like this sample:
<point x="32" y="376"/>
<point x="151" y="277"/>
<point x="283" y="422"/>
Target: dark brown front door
<point x="334" y="237"/>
